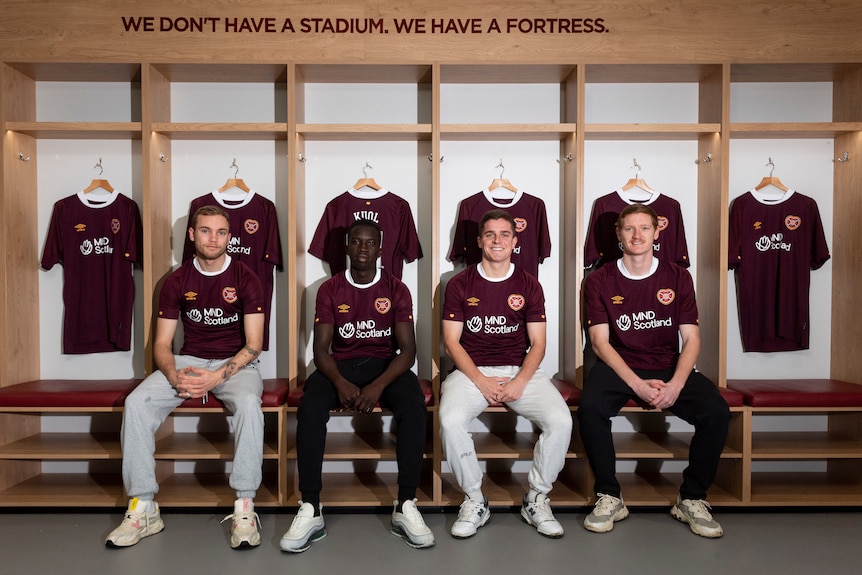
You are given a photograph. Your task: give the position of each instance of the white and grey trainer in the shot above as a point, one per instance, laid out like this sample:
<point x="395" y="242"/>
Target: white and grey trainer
<point x="304" y="530"/>
<point x="408" y="523"/>
<point x="471" y="515"/>
<point x="538" y="514"/>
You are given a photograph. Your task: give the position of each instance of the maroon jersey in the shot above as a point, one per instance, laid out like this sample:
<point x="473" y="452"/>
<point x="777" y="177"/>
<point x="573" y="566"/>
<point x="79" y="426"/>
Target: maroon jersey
<point x="643" y="314"/>
<point x="531" y="227"/>
<point x="212" y="306"/>
<point x="774" y="245"/>
<point x="363" y="315"/>
<point x="602" y="245"/>
<point x="390" y="212"/>
<point x="97" y="241"/>
<point x="495" y="314"/>
<point x="254" y="241"/>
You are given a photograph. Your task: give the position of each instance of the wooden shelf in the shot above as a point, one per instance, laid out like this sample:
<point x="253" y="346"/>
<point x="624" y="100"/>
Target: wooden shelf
<point x="804" y="445"/>
<point x="510" y="132"/>
<point x="365" y="132"/>
<point x="78" y="130"/>
<point x="790" y="130"/>
<point x="221" y="131"/>
<point x="804" y="489"/>
<point x="649" y="131"/>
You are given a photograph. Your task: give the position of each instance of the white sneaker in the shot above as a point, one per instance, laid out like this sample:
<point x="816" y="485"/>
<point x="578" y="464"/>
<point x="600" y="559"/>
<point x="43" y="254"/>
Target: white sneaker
<point x="696" y="513"/>
<point x="245" y="529"/>
<point x="471" y="516"/>
<point x="305" y="529"/>
<point x="136" y="525"/>
<point x="608" y="509"/>
<point x="408" y="523"/>
<point x="538" y="514"/>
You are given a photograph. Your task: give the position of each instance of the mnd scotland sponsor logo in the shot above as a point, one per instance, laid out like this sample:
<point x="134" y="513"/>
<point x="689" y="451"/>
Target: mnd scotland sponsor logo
<point x="773" y="242"/>
<point x="492" y="324"/>
<point x="642" y="320"/>
<point x="212" y="316"/>
<point x="364" y="329"/>
<point x="97" y="246"/>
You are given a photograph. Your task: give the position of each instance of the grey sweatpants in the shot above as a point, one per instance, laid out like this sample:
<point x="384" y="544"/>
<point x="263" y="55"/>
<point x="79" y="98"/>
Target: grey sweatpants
<point x="151" y="402"/>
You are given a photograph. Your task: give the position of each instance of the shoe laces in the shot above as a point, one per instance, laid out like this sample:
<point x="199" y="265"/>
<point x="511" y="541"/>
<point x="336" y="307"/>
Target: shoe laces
<point x="605" y="505"/>
<point x="470" y="509"/>
<point x="248" y="518"/>
<point x="699" y="508"/>
<point x="543" y="508"/>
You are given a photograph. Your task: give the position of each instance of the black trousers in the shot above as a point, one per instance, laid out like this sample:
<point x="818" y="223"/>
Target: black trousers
<point x="699" y="404"/>
<point x="403" y="397"/>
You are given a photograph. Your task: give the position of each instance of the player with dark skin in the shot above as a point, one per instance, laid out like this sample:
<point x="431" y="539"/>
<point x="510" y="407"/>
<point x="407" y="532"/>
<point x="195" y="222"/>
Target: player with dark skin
<point x="363" y="251"/>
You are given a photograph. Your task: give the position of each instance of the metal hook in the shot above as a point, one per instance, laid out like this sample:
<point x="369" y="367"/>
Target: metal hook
<point x="705" y="160"/>
<point x="233" y="165"/>
<point x="840" y="160"/>
<point x="366" y="166"/>
<point x="770" y="163"/>
<point x="22" y="158"/>
<point x="99" y="165"/>
<point x="502" y="168"/>
<point x="636" y="165"/>
<point x="301" y="157"/>
<point x="162" y="157"/>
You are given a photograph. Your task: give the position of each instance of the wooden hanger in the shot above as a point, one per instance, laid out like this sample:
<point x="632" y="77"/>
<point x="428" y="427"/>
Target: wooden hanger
<point x="502" y="182"/>
<point x="637" y="182"/>
<point x="97" y="184"/>
<point x="234" y="182"/>
<point x="770" y="180"/>
<point x="365" y="181"/>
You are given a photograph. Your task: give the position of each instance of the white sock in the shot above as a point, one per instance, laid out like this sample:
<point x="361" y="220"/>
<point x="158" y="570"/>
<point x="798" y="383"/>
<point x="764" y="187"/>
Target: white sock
<point x="243" y="505"/>
<point x="141" y="505"/>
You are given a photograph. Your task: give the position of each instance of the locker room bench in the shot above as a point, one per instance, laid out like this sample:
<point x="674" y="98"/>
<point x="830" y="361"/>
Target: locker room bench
<point x="805" y="441"/>
<point x="85" y="446"/>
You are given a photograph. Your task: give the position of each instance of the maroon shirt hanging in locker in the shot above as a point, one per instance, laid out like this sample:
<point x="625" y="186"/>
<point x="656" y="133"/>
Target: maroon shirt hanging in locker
<point x="774" y="245"/>
<point x="97" y="239"/>
<point x="390" y="212"/>
<point x="602" y="246"/>
<point x="531" y="226"/>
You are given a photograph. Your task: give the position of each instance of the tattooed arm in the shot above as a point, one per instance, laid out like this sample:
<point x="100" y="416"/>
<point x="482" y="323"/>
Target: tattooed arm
<point x="197" y="382"/>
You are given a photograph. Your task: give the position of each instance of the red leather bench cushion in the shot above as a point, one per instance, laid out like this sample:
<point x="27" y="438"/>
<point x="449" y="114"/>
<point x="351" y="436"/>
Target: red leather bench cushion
<point x="798" y="392"/>
<point x="107" y="393"/>
<point x="296" y="395"/>
<point x="68" y="393"/>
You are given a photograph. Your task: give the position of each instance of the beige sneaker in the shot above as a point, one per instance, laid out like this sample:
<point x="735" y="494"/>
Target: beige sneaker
<point x="136" y="525"/>
<point x="245" y="529"/>
<point x="696" y="513"/>
<point x="607" y="511"/>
